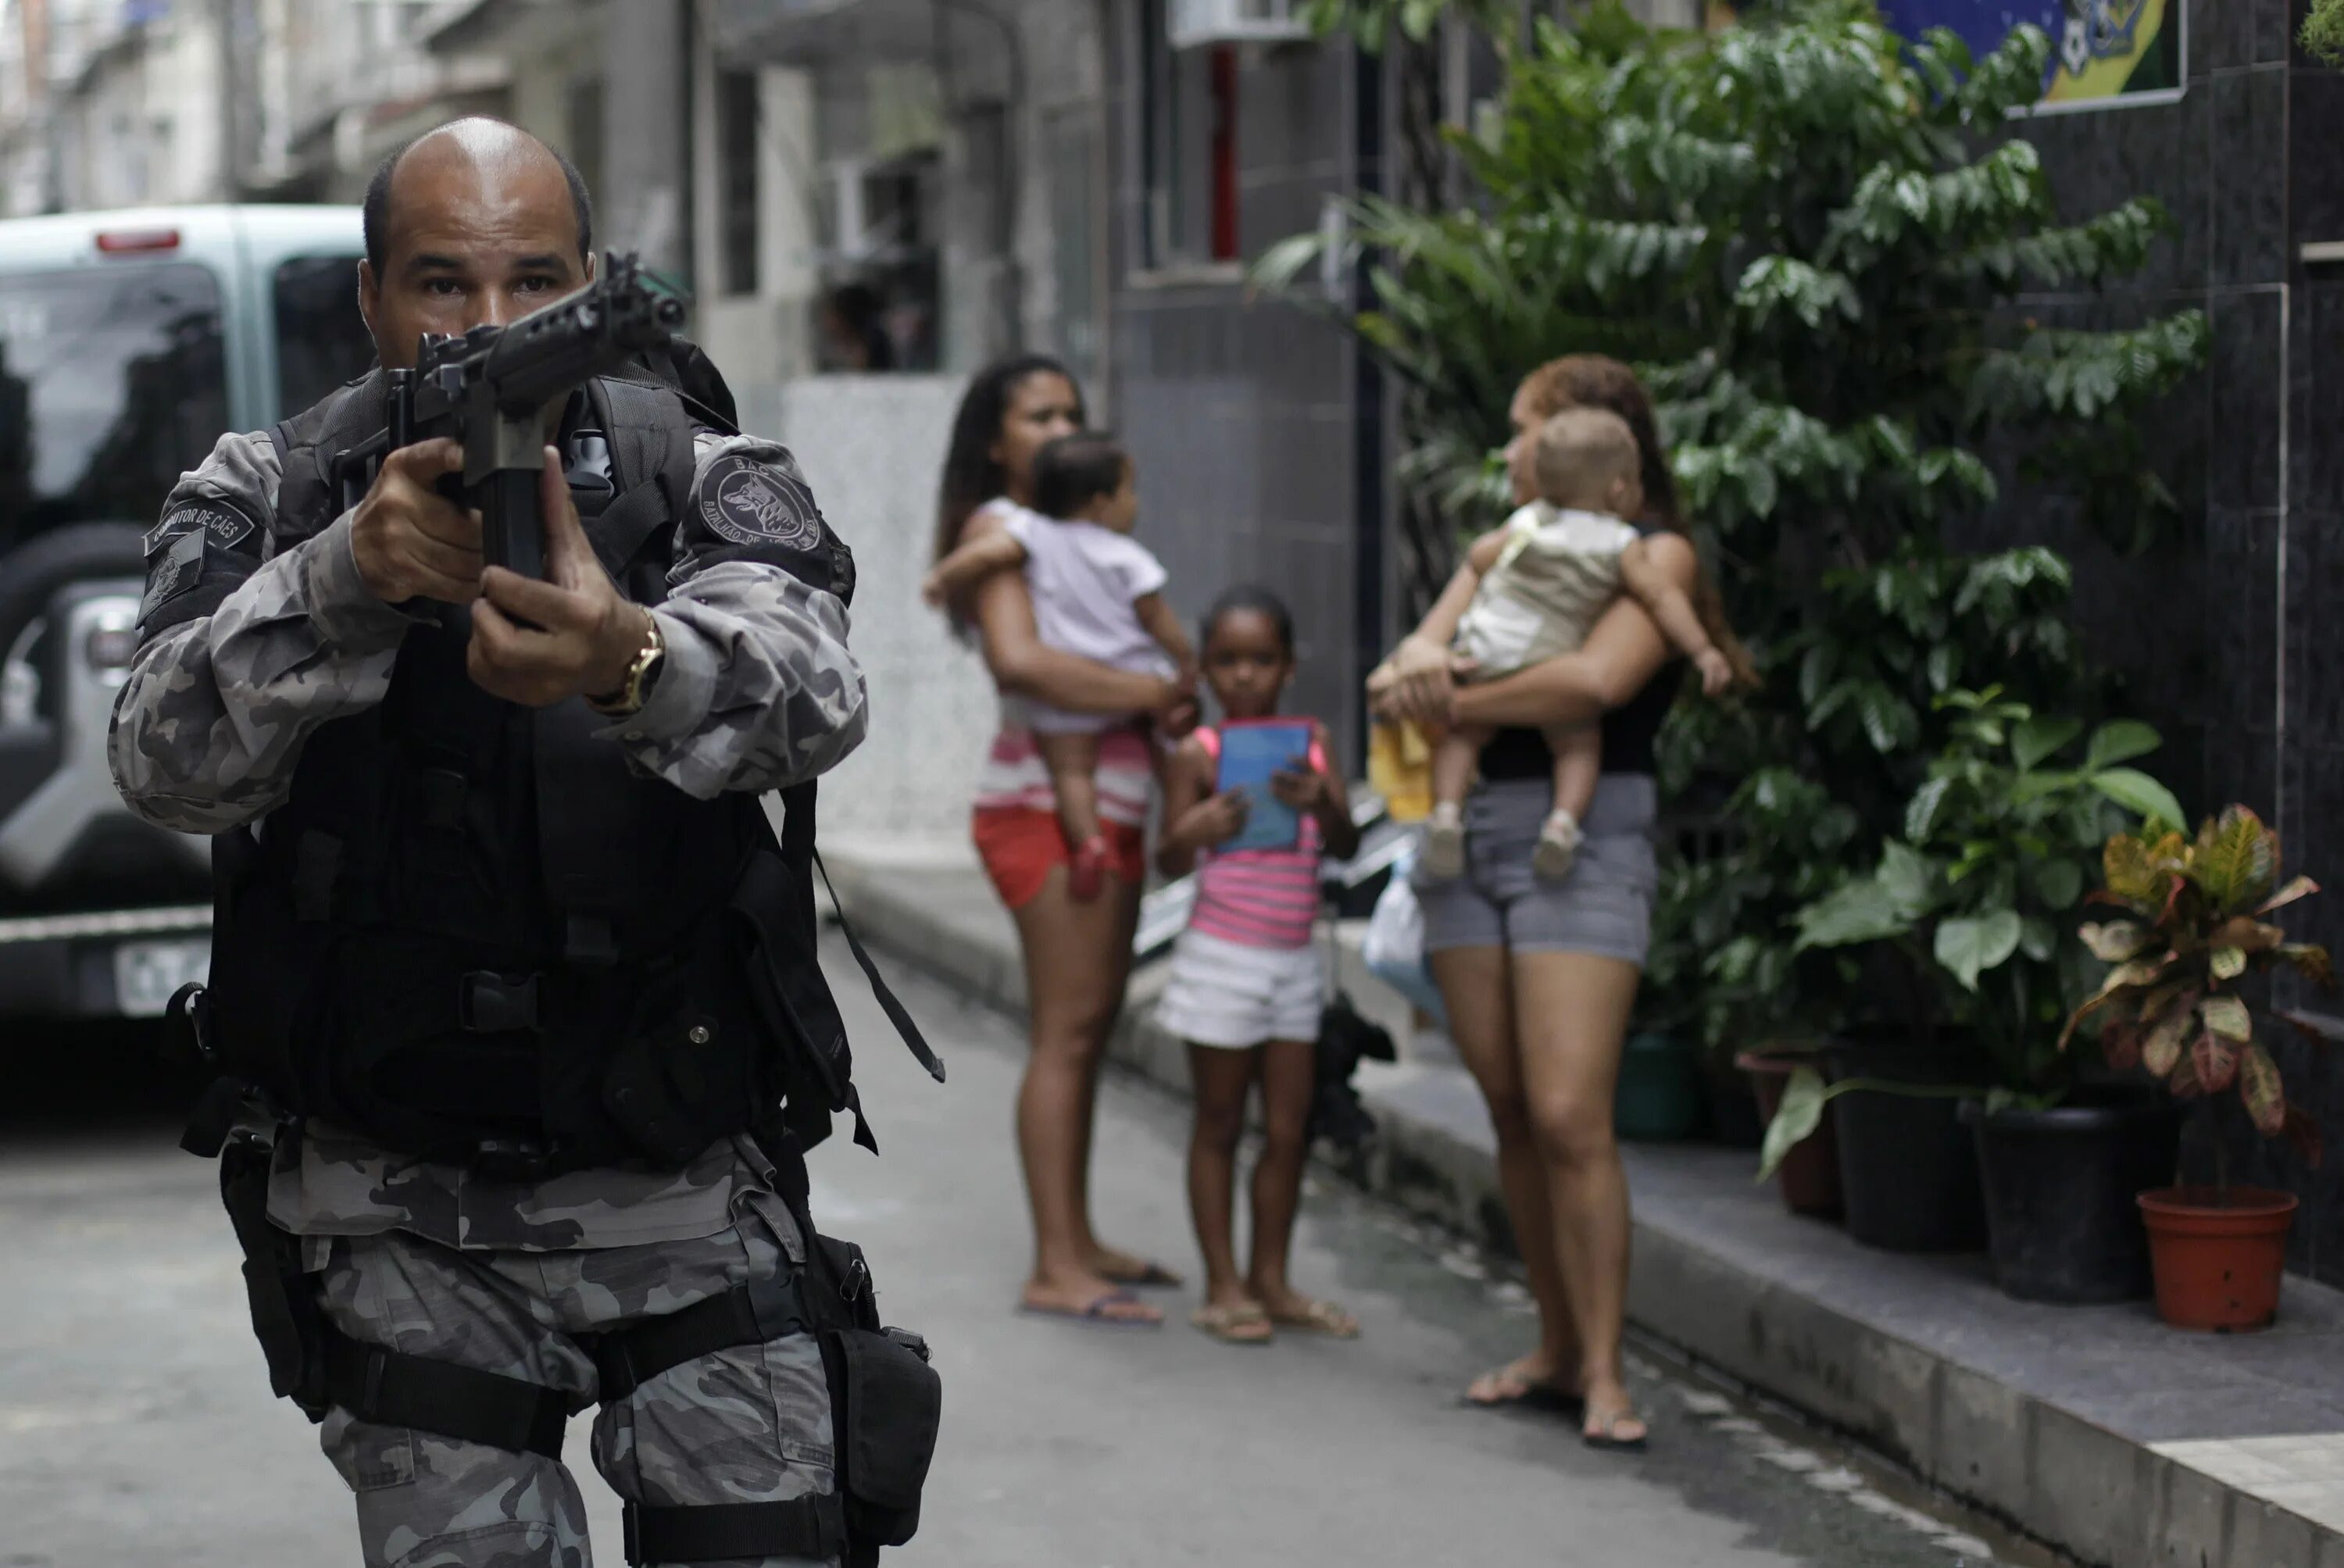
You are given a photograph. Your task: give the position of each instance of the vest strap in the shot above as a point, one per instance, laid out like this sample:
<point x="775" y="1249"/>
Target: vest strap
<point x="651" y="452"/>
<point x="897" y="1014"/>
<point x="806" y="1527"/>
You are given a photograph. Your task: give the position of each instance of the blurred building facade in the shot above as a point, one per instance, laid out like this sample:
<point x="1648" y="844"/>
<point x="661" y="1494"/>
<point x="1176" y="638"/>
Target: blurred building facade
<point x="893" y="189"/>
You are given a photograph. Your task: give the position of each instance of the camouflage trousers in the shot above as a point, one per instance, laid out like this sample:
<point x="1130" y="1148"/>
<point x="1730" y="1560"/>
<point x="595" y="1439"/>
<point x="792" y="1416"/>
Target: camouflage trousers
<point x="749" y="1424"/>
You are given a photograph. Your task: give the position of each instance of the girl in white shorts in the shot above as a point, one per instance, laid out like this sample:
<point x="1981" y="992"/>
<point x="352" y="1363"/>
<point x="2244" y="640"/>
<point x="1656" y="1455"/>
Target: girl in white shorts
<point x="1247" y="987"/>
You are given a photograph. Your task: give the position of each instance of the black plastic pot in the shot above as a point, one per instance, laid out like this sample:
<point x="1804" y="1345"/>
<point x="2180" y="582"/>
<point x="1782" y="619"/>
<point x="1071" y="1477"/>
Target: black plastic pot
<point x="1734" y="1118"/>
<point x="2060" y="1189"/>
<point x="1908" y="1169"/>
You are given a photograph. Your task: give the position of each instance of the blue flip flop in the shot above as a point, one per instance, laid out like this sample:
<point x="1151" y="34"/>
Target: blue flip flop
<point x="1152" y="1276"/>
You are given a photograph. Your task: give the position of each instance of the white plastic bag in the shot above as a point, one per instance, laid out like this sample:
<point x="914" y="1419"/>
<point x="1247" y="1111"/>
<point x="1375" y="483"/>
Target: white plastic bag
<point x="1393" y="948"/>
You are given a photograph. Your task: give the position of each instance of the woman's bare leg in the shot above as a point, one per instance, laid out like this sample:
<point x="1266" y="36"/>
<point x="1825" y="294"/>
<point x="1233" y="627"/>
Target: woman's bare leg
<point x="1479" y="996"/>
<point x="1223" y="1079"/>
<point x="1573" y="1009"/>
<point x="1112" y="1262"/>
<point x="1289" y="1076"/>
<point x="1076" y="959"/>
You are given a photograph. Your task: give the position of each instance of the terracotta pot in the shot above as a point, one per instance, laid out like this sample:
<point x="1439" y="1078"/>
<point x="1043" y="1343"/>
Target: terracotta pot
<point x="1808" y="1177"/>
<point x="2219" y="1254"/>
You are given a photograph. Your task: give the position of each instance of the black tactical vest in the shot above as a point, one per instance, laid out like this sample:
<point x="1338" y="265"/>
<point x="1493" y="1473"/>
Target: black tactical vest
<point x="472" y="933"/>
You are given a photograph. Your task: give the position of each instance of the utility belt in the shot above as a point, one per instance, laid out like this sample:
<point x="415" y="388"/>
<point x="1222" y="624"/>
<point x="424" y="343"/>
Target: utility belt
<point x="886" y="1400"/>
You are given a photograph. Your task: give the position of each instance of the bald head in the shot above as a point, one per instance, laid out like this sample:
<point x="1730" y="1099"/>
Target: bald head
<point x="485" y="149"/>
<point x="473" y="224"/>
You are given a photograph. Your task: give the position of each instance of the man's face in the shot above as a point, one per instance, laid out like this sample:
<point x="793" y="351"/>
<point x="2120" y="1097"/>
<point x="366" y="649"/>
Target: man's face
<point x="469" y="240"/>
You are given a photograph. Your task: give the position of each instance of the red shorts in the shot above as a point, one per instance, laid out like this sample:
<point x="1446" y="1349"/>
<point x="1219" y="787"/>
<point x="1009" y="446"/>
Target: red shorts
<point x="1019" y="845"/>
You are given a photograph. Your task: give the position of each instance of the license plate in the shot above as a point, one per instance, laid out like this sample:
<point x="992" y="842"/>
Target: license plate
<point x="145" y="974"/>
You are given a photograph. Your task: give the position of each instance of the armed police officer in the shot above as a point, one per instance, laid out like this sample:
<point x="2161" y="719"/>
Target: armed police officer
<point x="514" y="994"/>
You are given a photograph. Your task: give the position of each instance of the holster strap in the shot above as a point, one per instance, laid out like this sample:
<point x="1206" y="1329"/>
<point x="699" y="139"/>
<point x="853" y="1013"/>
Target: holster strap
<point x="809" y="1527"/>
<point x="391" y="1388"/>
<point x="747" y="1314"/>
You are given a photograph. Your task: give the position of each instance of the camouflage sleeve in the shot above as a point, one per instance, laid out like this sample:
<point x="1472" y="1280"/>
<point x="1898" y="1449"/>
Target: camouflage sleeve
<point x="757" y="690"/>
<point x="246" y="651"/>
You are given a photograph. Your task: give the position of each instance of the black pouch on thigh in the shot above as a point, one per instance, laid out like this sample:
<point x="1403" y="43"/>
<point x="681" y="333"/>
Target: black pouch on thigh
<point x="886" y="1407"/>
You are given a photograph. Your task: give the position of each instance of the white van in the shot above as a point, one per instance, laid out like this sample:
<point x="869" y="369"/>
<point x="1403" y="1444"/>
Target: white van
<point x="129" y="341"/>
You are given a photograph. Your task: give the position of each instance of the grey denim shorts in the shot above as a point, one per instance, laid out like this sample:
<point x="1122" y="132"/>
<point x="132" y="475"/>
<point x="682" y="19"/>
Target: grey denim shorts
<point x="1605" y="907"/>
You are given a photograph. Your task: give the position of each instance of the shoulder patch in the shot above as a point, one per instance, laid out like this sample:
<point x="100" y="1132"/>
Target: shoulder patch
<point x="225" y="526"/>
<point x="752" y="502"/>
<point x="173" y="573"/>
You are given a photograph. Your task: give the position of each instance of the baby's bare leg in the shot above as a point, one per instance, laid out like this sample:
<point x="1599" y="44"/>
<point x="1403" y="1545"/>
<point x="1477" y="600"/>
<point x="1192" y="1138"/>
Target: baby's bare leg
<point x="1452" y="774"/>
<point x="1073" y="762"/>
<point x="1453" y="760"/>
<point x="1578" y="765"/>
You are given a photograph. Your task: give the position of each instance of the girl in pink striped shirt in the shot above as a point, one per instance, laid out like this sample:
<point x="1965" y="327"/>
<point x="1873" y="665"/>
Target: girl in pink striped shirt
<point x="1246" y="986"/>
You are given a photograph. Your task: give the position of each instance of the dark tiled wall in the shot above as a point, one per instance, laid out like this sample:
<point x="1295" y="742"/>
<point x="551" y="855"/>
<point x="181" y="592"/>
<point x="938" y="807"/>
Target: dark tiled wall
<point x="2228" y="636"/>
<point x="1241" y="415"/>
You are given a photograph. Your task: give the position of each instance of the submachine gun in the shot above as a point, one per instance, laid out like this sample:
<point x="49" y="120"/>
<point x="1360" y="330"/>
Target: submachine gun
<point x="489" y="388"/>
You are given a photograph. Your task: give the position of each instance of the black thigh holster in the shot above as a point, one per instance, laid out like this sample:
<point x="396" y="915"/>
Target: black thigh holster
<point x="886" y="1401"/>
<point x="318" y="1368"/>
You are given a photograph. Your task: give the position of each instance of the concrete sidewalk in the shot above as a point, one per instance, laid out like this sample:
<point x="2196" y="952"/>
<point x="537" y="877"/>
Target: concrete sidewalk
<point x="2094" y="1430"/>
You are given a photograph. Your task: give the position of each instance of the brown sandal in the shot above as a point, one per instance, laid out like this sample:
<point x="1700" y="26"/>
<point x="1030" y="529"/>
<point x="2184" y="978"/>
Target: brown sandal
<point x="1319" y="1317"/>
<point x="1243" y="1324"/>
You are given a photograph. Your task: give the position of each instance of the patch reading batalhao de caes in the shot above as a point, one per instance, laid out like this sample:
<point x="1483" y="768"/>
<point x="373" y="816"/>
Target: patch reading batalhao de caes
<point x="750" y="502"/>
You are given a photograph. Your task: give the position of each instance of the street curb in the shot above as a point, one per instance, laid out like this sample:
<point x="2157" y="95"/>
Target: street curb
<point x="2103" y="1498"/>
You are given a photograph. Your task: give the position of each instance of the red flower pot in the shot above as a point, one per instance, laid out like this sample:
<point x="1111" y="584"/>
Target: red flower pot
<point x="2218" y="1254"/>
<point x="1808" y="1177"/>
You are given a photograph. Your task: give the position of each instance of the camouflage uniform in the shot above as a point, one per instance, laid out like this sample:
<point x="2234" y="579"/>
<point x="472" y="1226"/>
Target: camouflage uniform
<point x="757" y="691"/>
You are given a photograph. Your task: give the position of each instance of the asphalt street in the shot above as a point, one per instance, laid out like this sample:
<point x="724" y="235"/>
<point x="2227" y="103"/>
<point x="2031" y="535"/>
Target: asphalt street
<point x="136" y="1424"/>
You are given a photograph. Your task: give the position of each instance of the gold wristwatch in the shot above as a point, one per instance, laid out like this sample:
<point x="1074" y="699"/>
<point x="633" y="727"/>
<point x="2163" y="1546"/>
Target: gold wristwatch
<point x="629" y="697"/>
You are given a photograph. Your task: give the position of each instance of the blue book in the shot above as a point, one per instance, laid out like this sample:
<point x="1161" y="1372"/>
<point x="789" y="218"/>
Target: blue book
<point x="1251" y="751"/>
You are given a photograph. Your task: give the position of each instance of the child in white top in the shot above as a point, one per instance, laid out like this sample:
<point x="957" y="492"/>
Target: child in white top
<point x="1545" y="577"/>
<point x="1099" y="593"/>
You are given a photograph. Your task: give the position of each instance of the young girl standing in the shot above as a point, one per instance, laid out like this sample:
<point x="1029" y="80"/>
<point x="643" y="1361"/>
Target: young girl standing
<point x="1246" y="987"/>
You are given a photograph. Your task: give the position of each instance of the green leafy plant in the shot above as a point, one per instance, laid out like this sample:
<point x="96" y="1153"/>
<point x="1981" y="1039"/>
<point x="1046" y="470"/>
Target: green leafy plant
<point x="1814" y="239"/>
<point x="2323" y="31"/>
<point x="1725" y="967"/>
<point x="1978" y="898"/>
<point x="2176" y="1001"/>
<point x="1809" y="232"/>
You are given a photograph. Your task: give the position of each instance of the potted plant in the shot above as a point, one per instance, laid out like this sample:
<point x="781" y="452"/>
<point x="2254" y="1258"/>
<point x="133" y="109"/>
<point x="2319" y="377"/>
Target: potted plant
<point x="1723" y="972"/>
<point x="2177" y="1005"/>
<point x="1756" y="999"/>
<point x="1664" y="1090"/>
<point x="1968" y="928"/>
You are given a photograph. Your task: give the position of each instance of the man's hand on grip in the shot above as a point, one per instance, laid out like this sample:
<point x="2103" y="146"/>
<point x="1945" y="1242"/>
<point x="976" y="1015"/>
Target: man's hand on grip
<point x="409" y="540"/>
<point x="539" y="643"/>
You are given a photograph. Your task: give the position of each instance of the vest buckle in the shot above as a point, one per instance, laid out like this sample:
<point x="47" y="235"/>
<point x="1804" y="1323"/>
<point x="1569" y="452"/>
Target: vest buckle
<point x="487" y="1003"/>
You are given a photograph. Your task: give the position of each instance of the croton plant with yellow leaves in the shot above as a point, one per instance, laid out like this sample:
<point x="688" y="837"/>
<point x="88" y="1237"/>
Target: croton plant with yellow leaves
<point x="2196" y="928"/>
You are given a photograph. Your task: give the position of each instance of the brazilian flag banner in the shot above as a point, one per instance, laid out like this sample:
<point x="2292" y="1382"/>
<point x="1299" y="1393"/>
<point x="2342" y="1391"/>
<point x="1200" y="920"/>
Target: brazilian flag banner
<point x="2105" y="54"/>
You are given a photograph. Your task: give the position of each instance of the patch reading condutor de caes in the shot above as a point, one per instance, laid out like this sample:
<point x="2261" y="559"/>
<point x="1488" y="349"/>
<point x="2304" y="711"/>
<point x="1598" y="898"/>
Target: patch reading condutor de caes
<point x="227" y="527"/>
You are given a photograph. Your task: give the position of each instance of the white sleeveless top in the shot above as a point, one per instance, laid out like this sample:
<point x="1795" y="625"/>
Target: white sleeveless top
<point x="1556" y="575"/>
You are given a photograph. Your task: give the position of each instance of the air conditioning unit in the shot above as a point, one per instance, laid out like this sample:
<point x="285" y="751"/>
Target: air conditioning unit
<point x="1198" y="23"/>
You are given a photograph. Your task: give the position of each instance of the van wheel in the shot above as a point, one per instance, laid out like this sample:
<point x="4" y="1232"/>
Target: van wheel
<point x="78" y="553"/>
<point x="47" y="562"/>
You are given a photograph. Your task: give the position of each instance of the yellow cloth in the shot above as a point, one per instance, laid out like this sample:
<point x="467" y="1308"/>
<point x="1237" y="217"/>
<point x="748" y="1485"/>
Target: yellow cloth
<point x="1399" y="768"/>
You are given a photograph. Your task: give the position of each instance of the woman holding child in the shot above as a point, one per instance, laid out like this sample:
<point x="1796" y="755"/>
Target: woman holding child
<point x="1537" y="886"/>
<point x="1076" y="948"/>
